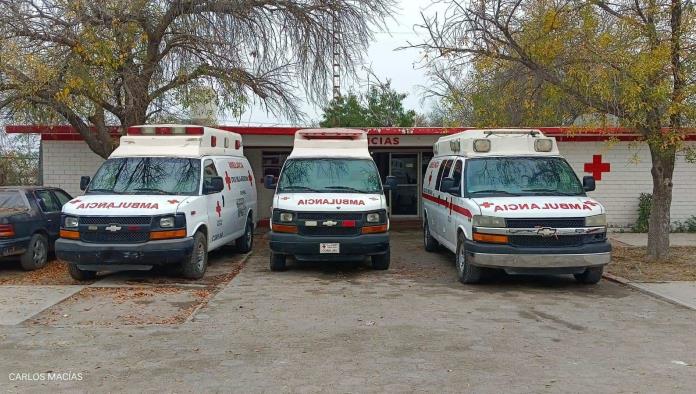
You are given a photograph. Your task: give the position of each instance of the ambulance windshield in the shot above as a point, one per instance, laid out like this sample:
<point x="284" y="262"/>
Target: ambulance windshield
<point x="147" y="175"/>
<point x="521" y="176"/>
<point x="329" y="176"/>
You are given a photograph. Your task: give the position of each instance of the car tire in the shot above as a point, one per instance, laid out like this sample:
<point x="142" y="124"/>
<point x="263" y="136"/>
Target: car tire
<point x="195" y="265"/>
<point x="79" y="274"/>
<point x="278" y="262"/>
<point x="381" y="261"/>
<point x="36" y="255"/>
<point x="429" y="242"/>
<point x="245" y="243"/>
<point x="591" y="276"/>
<point x="466" y="272"/>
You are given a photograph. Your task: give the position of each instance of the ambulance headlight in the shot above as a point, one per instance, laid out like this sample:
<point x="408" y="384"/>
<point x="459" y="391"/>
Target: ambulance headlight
<point x="286" y="216"/>
<point x="373" y="217"/>
<point x="543" y="145"/>
<point x="167" y="222"/>
<point x="482" y="145"/>
<point x="596" y="220"/>
<point x="488" y="221"/>
<point x="70" y="222"/>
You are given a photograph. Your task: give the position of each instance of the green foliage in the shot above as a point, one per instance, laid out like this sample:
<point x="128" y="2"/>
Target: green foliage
<point x="644" y="204"/>
<point x="380" y="106"/>
<point x="19" y="160"/>
<point x="687" y="226"/>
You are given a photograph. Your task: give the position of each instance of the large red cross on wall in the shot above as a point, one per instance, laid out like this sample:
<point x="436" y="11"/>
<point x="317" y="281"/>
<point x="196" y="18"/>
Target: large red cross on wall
<point x="596" y="168"/>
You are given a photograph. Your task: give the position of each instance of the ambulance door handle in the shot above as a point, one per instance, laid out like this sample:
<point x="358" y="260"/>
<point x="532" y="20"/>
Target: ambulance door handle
<point x="223" y="200"/>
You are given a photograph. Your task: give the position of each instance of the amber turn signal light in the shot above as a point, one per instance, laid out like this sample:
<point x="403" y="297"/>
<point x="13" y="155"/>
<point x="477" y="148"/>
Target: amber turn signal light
<point x="491" y="238"/>
<point x="70" y="234"/>
<point x="7" y="231"/>
<point x="382" y="228"/>
<point x="169" y="234"/>
<point x="283" y="228"/>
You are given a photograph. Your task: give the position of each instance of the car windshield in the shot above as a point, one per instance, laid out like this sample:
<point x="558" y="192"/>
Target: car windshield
<point x="147" y="175"/>
<point x="329" y="176"/>
<point x="12" y="201"/>
<point x="521" y="176"/>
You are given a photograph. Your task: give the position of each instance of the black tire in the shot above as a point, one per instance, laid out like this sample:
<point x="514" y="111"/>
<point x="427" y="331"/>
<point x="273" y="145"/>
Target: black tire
<point x="278" y="262"/>
<point x="591" y="276"/>
<point x="466" y="273"/>
<point x="381" y="261"/>
<point x="195" y="265"/>
<point x="245" y="243"/>
<point x="36" y="254"/>
<point x="429" y="242"/>
<point x="79" y="274"/>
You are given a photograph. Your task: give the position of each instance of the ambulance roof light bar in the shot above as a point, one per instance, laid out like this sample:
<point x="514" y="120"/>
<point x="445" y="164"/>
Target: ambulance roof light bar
<point x="344" y="134"/>
<point x="533" y="133"/>
<point x="166" y="130"/>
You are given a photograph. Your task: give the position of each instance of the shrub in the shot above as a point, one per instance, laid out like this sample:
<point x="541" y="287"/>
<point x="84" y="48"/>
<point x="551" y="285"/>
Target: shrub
<point x="644" y="203"/>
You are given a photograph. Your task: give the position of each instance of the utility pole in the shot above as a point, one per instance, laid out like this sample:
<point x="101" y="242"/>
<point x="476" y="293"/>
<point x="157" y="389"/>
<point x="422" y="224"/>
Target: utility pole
<point x="336" y="64"/>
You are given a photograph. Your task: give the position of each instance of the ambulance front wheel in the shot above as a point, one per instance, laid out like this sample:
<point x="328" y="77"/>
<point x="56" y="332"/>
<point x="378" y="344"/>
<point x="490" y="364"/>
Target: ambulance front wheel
<point x="278" y="262"/>
<point x="195" y="265"/>
<point x="380" y="261"/>
<point x="79" y="274"/>
<point x="466" y="272"/>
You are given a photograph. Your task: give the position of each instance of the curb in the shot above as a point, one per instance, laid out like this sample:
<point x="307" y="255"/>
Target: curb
<point x="627" y="283"/>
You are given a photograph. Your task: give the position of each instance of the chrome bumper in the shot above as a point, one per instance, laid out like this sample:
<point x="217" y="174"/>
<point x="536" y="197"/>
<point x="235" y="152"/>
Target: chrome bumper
<point x="494" y="260"/>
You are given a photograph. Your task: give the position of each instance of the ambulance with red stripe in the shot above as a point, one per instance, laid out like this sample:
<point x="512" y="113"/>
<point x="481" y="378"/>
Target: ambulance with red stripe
<point x="329" y="201"/>
<point x="507" y="200"/>
<point x="167" y="195"/>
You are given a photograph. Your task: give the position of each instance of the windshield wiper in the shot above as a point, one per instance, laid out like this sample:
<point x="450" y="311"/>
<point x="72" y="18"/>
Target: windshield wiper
<point x="494" y="191"/>
<point x="347" y="188"/>
<point x="104" y="191"/>
<point x="298" y="187"/>
<point x="551" y="191"/>
<point x="151" y="189"/>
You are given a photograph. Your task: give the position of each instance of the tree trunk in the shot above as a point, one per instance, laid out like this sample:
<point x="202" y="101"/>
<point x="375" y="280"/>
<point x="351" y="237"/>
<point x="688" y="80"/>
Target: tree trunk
<point x="659" y="223"/>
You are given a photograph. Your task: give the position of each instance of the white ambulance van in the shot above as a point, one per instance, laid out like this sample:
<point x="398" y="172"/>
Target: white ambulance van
<point x="506" y="199"/>
<point x="168" y="194"/>
<point x="329" y="201"/>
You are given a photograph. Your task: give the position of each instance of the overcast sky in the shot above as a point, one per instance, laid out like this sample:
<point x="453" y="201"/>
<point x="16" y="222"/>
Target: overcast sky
<point x="385" y="61"/>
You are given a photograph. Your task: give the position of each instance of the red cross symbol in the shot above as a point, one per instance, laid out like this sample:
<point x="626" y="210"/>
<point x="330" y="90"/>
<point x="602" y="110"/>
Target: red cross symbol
<point x="251" y="178"/>
<point x="597" y="167"/>
<point x="173" y="201"/>
<point x="218" y="209"/>
<point x="75" y="201"/>
<point x="590" y="203"/>
<point x="487" y="204"/>
<point x="228" y="180"/>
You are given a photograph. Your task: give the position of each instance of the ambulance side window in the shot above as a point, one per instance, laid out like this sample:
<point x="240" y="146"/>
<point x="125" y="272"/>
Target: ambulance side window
<point x="444" y="171"/>
<point x="209" y="171"/>
<point x="457" y="175"/>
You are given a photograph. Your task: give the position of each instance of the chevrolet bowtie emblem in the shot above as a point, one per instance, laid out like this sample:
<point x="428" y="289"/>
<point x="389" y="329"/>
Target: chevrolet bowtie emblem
<point x="113" y="228"/>
<point x="330" y="223"/>
<point x="546" y="232"/>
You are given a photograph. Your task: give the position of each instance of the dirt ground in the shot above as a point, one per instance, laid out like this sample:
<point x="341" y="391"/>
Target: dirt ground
<point x="346" y="328"/>
<point x="630" y="263"/>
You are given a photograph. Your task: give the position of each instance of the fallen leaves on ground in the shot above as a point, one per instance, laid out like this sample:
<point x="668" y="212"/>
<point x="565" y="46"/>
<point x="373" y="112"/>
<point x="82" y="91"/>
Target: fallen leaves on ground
<point x="55" y="272"/>
<point x="631" y="263"/>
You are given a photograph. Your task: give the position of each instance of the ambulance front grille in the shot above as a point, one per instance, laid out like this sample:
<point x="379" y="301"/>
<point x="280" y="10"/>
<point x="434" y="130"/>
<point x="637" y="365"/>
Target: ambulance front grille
<point x="326" y="231"/>
<point x="122" y="237"/>
<point x="546" y="242"/>
<point x="132" y="220"/>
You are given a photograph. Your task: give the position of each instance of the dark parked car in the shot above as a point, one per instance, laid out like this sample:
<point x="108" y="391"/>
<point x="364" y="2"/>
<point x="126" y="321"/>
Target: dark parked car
<point x="30" y="222"/>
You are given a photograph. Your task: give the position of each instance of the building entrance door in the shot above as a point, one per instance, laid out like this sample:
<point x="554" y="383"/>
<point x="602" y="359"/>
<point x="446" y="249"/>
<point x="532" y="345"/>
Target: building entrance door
<point x="404" y="200"/>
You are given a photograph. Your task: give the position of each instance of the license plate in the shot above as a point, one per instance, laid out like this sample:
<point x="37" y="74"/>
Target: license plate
<point x="329" y="248"/>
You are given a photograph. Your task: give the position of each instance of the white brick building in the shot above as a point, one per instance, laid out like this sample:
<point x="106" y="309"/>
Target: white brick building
<point x="620" y="164"/>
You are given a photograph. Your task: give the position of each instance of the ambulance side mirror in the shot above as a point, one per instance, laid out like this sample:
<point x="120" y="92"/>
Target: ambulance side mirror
<point x="588" y="183"/>
<point x="84" y="182"/>
<point x="269" y="182"/>
<point x="214" y="185"/>
<point x="390" y="183"/>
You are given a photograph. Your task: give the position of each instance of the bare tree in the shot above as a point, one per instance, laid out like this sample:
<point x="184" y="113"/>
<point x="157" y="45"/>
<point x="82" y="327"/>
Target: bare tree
<point x="126" y="62"/>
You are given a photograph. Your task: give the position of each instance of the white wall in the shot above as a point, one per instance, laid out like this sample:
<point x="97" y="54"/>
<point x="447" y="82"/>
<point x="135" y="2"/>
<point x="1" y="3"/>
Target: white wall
<point x="65" y="161"/>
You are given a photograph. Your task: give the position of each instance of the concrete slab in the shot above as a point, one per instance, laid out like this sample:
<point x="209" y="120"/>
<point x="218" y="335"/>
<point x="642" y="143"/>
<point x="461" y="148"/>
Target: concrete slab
<point x="678" y="292"/>
<point x="19" y="303"/>
<point x="641" y="239"/>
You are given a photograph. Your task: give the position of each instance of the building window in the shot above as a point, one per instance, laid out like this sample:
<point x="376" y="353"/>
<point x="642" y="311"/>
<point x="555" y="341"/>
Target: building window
<point x="272" y="162"/>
